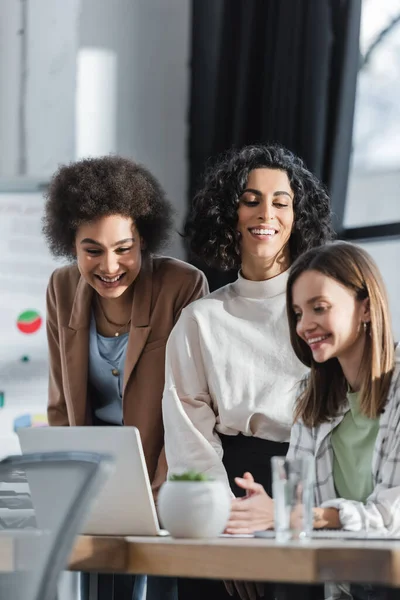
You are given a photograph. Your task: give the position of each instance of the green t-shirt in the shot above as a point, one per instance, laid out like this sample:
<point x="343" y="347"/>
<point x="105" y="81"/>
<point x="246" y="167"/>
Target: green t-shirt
<point x="353" y="442"/>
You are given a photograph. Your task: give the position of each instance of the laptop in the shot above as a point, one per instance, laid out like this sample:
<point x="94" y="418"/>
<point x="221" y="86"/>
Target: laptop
<point x="125" y="505"/>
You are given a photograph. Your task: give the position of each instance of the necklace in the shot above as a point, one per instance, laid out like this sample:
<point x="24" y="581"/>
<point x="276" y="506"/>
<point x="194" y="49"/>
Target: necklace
<point x="118" y="325"/>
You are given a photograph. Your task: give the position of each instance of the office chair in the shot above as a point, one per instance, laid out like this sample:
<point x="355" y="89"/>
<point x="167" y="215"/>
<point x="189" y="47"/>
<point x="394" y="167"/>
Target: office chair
<point x="44" y="499"/>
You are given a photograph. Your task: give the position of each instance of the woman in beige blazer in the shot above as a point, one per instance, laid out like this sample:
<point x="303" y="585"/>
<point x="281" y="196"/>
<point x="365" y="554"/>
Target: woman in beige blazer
<point x="110" y="312"/>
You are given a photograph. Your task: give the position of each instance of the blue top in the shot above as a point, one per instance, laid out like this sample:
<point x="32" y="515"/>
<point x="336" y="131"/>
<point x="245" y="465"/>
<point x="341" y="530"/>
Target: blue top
<point x="106" y="374"/>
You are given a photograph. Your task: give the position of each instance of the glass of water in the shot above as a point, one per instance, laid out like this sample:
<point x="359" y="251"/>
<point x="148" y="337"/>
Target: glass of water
<point x="293" y="493"/>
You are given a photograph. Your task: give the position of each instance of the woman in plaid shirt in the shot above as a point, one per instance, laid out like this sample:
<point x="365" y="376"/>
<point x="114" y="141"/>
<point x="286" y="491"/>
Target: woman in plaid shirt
<point x="347" y="414"/>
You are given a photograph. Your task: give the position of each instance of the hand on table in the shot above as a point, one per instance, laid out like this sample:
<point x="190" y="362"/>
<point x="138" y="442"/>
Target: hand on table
<point x="247" y="590"/>
<point x="327" y="518"/>
<point x="253" y="512"/>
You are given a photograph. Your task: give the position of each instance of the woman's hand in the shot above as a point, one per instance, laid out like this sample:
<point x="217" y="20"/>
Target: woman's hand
<point x="326" y="518"/>
<point x="253" y="512"/>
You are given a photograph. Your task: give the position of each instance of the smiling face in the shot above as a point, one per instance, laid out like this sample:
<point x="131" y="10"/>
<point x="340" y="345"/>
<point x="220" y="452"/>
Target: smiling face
<point x="266" y="216"/>
<point x="329" y="317"/>
<point x="109" y="254"/>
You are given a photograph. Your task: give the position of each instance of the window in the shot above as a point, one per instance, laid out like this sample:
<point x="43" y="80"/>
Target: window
<point x="374" y="182"/>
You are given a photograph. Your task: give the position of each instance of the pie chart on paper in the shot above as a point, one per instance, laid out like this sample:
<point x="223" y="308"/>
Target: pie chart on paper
<point x="29" y="321"/>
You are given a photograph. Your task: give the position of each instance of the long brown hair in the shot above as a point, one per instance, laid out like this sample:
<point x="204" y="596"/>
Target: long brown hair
<point x="325" y="391"/>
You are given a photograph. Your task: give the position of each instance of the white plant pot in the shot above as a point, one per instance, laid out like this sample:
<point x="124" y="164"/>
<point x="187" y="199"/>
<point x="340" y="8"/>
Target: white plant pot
<point x="194" y="509"/>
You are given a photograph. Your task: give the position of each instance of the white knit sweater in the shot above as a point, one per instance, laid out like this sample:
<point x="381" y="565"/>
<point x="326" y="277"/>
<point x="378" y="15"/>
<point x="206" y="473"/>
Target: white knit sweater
<point x="230" y="368"/>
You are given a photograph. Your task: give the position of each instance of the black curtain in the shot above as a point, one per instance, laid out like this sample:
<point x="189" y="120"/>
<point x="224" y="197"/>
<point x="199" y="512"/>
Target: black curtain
<point x="275" y="70"/>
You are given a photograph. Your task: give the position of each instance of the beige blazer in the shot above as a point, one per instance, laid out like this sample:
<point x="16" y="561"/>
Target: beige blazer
<point x="164" y="286"/>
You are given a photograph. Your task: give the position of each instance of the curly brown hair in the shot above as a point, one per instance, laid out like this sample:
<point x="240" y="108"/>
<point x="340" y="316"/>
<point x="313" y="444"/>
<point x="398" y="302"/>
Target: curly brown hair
<point x="210" y="227"/>
<point x="86" y="190"/>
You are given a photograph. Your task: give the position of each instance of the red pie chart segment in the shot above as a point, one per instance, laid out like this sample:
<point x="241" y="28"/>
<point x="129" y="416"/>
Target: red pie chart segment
<point x="29" y="321"/>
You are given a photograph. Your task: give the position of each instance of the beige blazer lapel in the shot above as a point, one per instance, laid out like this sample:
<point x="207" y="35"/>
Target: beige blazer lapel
<point x="76" y="351"/>
<point x="140" y="319"/>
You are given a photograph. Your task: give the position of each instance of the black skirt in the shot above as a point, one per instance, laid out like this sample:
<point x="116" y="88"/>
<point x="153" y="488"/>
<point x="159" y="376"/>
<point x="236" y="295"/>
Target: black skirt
<point x="243" y="453"/>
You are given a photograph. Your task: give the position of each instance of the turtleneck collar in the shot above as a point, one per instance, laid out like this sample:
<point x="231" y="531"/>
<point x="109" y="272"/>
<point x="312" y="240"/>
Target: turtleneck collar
<point x="261" y="289"/>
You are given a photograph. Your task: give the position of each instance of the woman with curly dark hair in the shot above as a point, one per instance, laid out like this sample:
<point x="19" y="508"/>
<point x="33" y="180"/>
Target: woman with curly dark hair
<point x="230" y="369"/>
<point x="110" y="312"/>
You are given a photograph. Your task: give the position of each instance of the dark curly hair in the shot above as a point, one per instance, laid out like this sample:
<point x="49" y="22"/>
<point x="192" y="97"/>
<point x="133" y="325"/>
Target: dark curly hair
<point x="85" y="190"/>
<point x="210" y="226"/>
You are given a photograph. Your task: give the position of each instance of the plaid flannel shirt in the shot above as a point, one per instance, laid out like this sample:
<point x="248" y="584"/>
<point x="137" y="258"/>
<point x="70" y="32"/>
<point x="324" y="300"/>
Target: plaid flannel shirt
<point x="381" y="511"/>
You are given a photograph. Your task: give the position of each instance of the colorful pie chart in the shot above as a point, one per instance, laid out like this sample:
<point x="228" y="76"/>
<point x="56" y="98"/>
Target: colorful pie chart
<point x="29" y="321"/>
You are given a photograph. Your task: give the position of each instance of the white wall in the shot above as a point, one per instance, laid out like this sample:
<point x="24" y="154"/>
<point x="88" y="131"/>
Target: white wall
<point x="52" y="43"/>
<point x="150" y="40"/>
<point x="373" y="198"/>
<point x="10" y="23"/>
<point x="387" y="254"/>
<point x="38" y="45"/>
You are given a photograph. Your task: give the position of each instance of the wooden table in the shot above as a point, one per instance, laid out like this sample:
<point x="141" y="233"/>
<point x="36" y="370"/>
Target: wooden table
<point x="243" y="559"/>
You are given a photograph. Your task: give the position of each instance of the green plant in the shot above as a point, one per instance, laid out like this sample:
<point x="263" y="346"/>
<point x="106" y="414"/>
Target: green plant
<point x="189" y="476"/>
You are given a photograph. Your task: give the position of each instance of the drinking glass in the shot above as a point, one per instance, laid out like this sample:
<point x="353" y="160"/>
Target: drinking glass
<point x="293" y="493"/>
